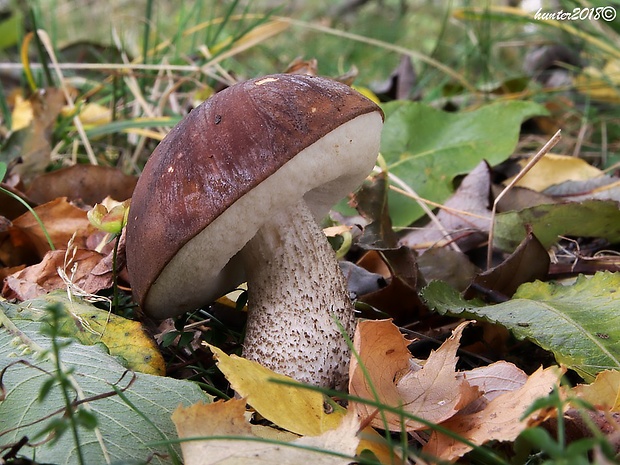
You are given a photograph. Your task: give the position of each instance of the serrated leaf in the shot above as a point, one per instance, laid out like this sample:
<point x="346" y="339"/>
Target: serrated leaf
<point x="548" y="221"/>
<point x="122" y="435"/>
<point x="427" y="148"/>
<point x="580" y="323"/>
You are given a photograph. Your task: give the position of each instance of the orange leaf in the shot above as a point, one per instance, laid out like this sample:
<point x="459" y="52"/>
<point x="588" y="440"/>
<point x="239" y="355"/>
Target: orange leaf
<point x="433" y="392"/>
<point x="61" y="219"/>
<point x="500" y="420"/>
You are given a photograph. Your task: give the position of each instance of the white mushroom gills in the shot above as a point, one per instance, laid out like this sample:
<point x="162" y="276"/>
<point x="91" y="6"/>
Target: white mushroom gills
<point x="297" y="290"/>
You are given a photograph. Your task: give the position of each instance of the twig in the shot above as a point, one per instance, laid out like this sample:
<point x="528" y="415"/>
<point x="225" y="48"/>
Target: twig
<point x="422" y="203"/>
<point x="76" y="119"/>
<point x="541" y="153"/>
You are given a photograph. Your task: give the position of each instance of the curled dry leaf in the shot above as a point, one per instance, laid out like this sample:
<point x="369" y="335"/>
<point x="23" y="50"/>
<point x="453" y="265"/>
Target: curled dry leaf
<point x="222" y="419"/>
<point x="500" y="420"/>
<point x="39" y="279"/>
<point x="433" y="392"/>
<point x="480" y="405"/>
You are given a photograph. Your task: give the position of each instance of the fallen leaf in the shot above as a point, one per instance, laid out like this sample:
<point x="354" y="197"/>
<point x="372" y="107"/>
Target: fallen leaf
<point x="465" y="217"/>
<point x="603" y="392"/>
<point x="88" y="183"/>
<point x="61" y="220"/>
<point x="529" y="262"/>
<point x="386" y="373"/>
<point x="427" y="148"/>
<point x="500" y="420"/>
<point x="600" y="84"/>
<point x="90" y="114"/>
<point x="298" y="409"/>
<point x="371" y="201"/>
<point x="555" y="169"/>
<point x="125" y="433"/>
<point x="446" y="264"/>
<point x="399" y="299"/>
<point x="492" y="381"/>
<point x="123" y="338"/>
<point x="578" y="323"/>
<point x="550" y="221"/>
<point x="33" y="149"/>
<point x="221" y="419"/>
<point x="36" y="280"/>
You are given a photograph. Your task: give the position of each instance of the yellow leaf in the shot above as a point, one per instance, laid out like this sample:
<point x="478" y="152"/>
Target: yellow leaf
<point x="22" y="114"/>
<point x="90" y="325"/>
<point x="603" y="392"/>
<point x="91" y="114"/>
<point x="222" y="419"/>
<point x="366" y="92"/>
<point x="556" y="169"/>
<point x="601" y="84"/>
<point x="297" y="409"/>
<point x="291" y="407"/>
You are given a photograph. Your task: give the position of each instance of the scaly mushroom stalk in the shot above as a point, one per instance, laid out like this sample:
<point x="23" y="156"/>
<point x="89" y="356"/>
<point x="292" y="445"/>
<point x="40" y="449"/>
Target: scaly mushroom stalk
<point x="296" y="294"/>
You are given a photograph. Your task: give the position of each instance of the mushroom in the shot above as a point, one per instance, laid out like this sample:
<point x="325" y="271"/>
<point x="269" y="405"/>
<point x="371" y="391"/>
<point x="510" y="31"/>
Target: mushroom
<point x="233" y="194"/>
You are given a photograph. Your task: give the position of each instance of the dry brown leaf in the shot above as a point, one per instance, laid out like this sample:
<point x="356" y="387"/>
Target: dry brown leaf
<point x="43" y="277"/>
<point x="89" y="183"/>
<point x="500" y="420"/>
<point x="434" y="392"/>
<point x="227" y="419"/>
<point x="61" y="219"/>
<point x="465" y="216"/>
<point x="493" y="380"/>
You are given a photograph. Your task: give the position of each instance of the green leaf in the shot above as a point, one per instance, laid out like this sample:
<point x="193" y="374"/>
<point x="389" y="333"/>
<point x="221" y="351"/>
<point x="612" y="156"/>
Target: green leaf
<point x="580" y="323"/>
<point x="552" y="220"/>
<point x="78" y="319"/>
<point x="427" y="148"/>
<point x="120" y="434"/>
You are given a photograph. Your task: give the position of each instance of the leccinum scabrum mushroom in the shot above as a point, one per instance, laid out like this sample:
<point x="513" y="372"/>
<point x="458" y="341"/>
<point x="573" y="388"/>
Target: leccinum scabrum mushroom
<point x="233" y="193"/>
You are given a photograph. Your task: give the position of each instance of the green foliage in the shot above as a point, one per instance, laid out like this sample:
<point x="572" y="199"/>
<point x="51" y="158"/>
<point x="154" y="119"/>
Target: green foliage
<point x="52" y="384"/>
<point x="551" y="220"/>
<point x="427" y="148"/>
<point x="578" y="323"/>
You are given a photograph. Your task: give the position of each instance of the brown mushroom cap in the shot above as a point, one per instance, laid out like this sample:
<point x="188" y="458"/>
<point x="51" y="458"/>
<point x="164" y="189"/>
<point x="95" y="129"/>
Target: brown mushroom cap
<point x="213" y="179"/>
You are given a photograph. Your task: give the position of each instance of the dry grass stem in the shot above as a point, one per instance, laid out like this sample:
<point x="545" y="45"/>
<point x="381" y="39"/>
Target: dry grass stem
<point x="49" y="48"/>
<point x="409" y="192"/>
<point x="541" y="153"/>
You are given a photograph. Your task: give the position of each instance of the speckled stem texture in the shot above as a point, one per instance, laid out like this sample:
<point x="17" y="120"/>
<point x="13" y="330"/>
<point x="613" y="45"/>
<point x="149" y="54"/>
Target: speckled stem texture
<point x="296" y="289"/>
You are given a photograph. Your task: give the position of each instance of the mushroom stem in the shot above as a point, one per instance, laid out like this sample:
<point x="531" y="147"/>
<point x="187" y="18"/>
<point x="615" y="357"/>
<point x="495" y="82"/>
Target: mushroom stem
<point x="296" y="293"/>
